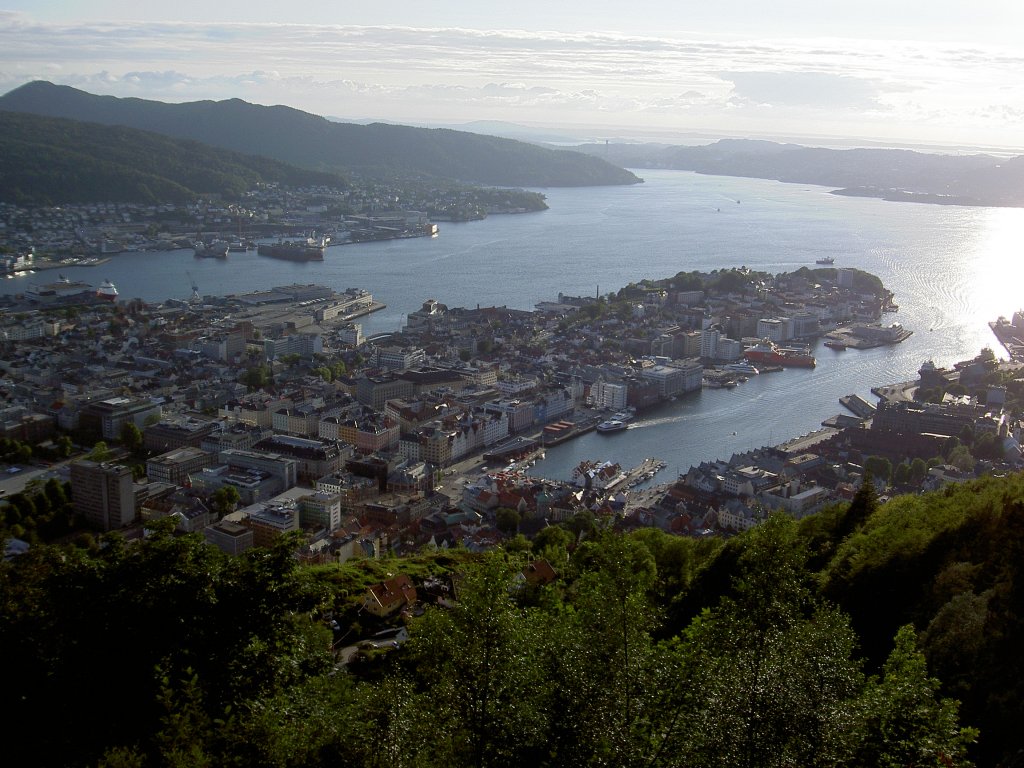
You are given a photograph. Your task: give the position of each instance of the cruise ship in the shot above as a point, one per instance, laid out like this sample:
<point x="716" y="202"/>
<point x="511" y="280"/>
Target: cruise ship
<point x="766" y="351"/>
<point x="63" y="290"/>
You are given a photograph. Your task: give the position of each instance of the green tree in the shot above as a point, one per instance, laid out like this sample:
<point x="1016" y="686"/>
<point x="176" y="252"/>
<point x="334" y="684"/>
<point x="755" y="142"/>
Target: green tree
<point x="256" y="377"/>
<point x="553" y="543"/>
<point x="862" y="506"/>
<point x="474" y="665"/>
<point x="961" y="458"/>
<point x="224" y="500"/>
<point x="918" y="470"/>
<point x="988" y="446"/>
<point x="507" y="520"/>
<point x="131" y="436"/>
<point x="879" y="467"/>
<point x="905" y="723"/>
<point x="100" y="452"/>
<point x="774" y="679"/>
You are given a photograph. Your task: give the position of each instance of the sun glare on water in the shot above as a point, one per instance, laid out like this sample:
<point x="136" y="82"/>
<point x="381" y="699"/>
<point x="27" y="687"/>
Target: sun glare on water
<point x="997" y="264"/>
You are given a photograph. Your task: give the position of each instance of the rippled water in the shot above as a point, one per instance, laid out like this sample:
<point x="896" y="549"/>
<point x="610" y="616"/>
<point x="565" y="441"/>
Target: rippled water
<point x="952" y="269"/>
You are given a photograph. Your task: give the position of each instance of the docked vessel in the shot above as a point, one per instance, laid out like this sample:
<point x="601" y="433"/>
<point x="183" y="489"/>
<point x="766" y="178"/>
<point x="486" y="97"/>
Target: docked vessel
<point x="380" y="232"/>
<point x="834" y="344"/>
<point x="310" y="249"/>
<point x="826" y="260"/>
<point x="746" y="368"/>
<point x="618" y="421"/>
<point x="712" y="382"/>
<point x="107" y="291"/>
<point x="766" y="351"/>
<point x="218" y="249"/>
<point x="63" y="290"/>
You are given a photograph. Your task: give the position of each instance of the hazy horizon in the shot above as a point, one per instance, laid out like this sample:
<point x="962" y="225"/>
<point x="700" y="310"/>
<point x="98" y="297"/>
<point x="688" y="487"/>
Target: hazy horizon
<point x="914" y="74"/>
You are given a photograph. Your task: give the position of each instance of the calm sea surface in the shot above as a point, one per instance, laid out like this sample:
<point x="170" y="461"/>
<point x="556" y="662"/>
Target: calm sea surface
<point x="952" y="269"/>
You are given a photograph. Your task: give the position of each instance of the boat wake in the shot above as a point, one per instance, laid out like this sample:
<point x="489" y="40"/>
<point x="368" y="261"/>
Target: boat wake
<point x="655" y="422"/>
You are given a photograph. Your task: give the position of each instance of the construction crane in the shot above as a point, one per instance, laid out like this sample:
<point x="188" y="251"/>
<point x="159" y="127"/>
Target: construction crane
<point x="195" y="289"/>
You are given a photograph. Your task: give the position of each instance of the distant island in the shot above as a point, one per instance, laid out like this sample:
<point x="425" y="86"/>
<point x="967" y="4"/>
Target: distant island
<point x="890" y="174"/>
<point x="378" y="151"/>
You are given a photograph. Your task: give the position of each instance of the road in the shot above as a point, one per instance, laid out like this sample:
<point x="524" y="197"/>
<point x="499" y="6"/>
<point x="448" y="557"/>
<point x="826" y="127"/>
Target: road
<point x="15" y="482"/>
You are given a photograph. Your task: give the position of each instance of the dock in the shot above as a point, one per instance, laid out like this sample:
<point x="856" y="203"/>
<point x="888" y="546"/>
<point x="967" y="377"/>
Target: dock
<point x="858" y="406"/>
<point x="560" y="431"/>
<point x="641" y="473"/>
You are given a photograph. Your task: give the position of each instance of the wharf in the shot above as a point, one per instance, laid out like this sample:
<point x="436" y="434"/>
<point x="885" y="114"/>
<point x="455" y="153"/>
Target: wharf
<point x="643" y="472"/>
<point x="374" y="307"/>
<point x="803" y="443"/>
<point x="858" y="406"/>
<point x="567" y="431"/>
<point x="849" y="337"/>
<point x="896" y="393"/>
<point x="47" y="263"/>
<point x="1010" y="336"/>
<point x="842" y="421"/>
<point x="515" y="449"/>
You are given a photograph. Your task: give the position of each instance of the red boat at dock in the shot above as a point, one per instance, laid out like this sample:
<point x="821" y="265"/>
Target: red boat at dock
<point x="766" y="351"/>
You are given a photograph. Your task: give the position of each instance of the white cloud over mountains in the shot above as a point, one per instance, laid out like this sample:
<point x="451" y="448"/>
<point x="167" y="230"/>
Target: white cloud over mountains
<point x="934" y="91"/>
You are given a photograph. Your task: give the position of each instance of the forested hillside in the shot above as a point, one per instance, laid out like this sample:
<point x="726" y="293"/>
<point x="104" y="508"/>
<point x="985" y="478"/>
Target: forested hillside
<point x="892" y="174"/>
<point x="52" y="161"/>
<point x="309" y="141"/>
<point x="845" y="639"/>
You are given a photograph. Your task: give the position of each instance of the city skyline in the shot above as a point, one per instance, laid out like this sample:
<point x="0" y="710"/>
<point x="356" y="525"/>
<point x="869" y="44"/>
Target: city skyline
<point x="934" y="74"/>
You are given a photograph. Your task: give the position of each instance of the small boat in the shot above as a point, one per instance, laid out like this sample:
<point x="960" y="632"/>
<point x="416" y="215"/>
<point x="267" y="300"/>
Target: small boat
<point x="826" y="260"/>
<point x="833" y="344"/>
<point x="612" y="425"/>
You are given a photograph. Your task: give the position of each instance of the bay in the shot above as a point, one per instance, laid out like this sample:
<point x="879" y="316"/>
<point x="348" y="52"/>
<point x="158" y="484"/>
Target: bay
<point x="952" y="269"/>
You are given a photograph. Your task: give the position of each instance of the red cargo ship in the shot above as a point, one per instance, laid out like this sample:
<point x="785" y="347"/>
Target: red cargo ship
<point x="766" y="351"/>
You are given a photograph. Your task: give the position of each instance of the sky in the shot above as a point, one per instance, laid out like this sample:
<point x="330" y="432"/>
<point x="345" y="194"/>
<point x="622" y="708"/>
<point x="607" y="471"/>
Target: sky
<point x="945" y="73"/>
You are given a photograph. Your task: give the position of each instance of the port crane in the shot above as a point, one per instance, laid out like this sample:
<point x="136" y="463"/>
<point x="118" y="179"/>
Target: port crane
<point x="195" y="289"/>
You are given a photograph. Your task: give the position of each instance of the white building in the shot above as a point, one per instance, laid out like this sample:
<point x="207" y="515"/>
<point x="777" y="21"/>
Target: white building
<point x="607" y="394"/>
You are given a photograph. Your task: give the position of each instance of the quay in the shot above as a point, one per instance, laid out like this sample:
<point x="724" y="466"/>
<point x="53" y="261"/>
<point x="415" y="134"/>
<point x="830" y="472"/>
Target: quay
<point x="560" y="431"/>
<point x="642" y="472"/>
<point x="858" y="406"/>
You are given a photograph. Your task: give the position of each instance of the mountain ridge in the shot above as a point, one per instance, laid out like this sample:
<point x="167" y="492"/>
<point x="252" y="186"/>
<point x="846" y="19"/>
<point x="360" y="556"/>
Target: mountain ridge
<point x="55" y="161"/>
<point x="309" y="141"/>
<point x="891" y="174"/>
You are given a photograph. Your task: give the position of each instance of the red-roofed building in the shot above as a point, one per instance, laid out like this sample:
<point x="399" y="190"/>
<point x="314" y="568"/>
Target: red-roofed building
<point x="390" y="596"/>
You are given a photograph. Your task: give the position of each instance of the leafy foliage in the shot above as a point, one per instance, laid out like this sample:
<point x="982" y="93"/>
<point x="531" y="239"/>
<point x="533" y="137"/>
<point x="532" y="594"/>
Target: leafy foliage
<point x="647" y="650"/>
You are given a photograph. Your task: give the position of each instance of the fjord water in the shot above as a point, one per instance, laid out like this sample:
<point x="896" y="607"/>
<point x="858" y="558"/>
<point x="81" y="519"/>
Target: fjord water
<point x="952" y="269"/>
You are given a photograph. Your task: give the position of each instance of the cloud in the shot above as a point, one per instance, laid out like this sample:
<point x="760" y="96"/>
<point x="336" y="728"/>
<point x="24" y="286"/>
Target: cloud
<point x="401" y="72"/>
<point x="805" y="89"/>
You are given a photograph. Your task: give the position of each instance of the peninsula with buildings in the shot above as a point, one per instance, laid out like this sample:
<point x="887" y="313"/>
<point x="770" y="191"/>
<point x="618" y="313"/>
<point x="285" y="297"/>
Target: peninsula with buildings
<point x="263" y="431"/>
<point x="277" y="400"/>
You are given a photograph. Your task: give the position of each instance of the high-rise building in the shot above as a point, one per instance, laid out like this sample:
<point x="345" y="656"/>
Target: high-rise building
<point x="103" y="493"/>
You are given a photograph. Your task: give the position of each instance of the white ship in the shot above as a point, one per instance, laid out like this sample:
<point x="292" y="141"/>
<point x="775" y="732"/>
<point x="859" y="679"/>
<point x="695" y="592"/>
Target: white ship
<point x="107" y="291"/>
